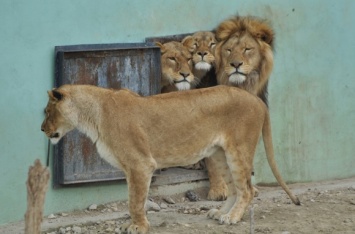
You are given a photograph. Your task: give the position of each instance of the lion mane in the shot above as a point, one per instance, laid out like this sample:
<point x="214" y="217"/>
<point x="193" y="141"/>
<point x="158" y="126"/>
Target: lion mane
<point x="244" y="54"/>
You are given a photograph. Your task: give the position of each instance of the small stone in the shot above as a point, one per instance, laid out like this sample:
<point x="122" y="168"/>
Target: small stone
<point x="51" y="233"/>
<point x="191" y="195"/>
<point x="52" y="216"/>
<point x="62" y="231"/>
<point x="93" y="207"/>
<point x="151" y="206"/>
<point x="163" y="205"/>
<point x="76" y="229"/>
<point x="285" y="232"/>
<point x="110" y="222"/>
<point x="263" y="217"/>
<point x="117" y="230"/>
<point x="63" y="214"/>
<point x="204" y="208"/>
<point x="163" y="224"/>
<point x="68" y="229"/>
<point x="312" y="200"/>
<point x="169" y="200"/>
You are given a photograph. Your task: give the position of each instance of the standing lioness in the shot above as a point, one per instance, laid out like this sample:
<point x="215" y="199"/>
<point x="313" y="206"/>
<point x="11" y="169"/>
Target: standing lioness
<point x="142" y="134"/>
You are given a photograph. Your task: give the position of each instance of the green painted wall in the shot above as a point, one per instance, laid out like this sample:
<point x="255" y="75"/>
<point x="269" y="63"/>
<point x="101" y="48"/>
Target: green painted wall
<point x="312" y="97"/>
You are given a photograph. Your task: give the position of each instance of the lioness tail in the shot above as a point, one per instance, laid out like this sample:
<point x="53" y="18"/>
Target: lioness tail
<point x="267" y="138"/>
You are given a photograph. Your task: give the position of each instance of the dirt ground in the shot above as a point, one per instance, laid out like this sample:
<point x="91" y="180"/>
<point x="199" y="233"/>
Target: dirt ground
<point x="327" y="207"/>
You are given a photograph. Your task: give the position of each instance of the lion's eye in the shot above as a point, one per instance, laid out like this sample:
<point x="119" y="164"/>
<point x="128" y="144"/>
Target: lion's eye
<point x="212" y="44"/>
<point x="172" y="59"/>
<point x="229" y="51"/>
<point x="247" y="49"/>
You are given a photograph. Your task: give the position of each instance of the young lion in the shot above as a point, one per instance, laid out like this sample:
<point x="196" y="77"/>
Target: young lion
<point x="176" y="65"/>
<point x="201" y="45"/>
<point x="142" y="134"/>
<point x="244" y="54"/>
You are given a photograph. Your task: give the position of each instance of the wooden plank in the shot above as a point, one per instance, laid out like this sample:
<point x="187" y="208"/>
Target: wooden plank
<point x="135" y="66"/>
<point x="178" y="175"/>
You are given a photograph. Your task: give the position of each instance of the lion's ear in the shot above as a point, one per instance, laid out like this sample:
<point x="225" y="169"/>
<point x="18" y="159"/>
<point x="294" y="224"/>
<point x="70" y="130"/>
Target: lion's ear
<point x="267" y="36"/>
<point x="55" y="95"/>
<point x="162" y="47"/>
<point x="188" y="42"/>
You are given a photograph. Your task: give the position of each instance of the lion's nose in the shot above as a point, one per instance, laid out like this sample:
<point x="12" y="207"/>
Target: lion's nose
<point x="203" y="53"/>
<point x="184" y="74"/>
<point x="236" y="64"/>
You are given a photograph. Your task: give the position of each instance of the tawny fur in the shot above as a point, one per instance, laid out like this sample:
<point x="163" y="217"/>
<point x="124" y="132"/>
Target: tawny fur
<point x="142" y="134"/>
<point x="202" y="44"/>
<point x="244" y="54"/>
<point x="176" y="66"/>
<point x="247" y="41"/>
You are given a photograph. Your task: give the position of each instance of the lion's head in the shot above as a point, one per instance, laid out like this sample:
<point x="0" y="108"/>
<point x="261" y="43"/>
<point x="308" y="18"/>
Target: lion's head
<point x="244" y="54"/>
<point x="56" y="123"/>
<point x="201" y="45"/>
<point x="176" y="66"/>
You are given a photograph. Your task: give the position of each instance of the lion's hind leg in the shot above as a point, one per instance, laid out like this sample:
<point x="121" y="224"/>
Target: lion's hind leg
<point x="221" y="165"/>
<point x="238" y="161"/>
<point x="218" y="188"/>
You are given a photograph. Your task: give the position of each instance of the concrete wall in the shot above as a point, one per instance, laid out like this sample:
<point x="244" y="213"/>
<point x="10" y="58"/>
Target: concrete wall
<point x="312" y="98"/>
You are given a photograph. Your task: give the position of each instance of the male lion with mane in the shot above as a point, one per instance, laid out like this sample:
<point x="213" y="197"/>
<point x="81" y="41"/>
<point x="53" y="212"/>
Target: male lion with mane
<point x="141" y="134"/>
<point x="244" y="54"/>
<point x="244" y="58"/>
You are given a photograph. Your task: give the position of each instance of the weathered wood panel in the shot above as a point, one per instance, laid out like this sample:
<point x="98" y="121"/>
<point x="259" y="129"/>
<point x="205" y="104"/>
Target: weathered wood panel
<point x="134" y="66"/>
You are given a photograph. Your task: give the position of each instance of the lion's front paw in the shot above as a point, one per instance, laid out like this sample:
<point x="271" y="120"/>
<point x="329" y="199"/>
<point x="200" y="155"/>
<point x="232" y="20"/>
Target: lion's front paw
<point x="129" y="228"/>
<point x="214" y="214"/>
<point x="124" y="228"/>
<point x="218" y="193"/>
<point x="135" y="229"/>
<point x="227" y="219"/>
